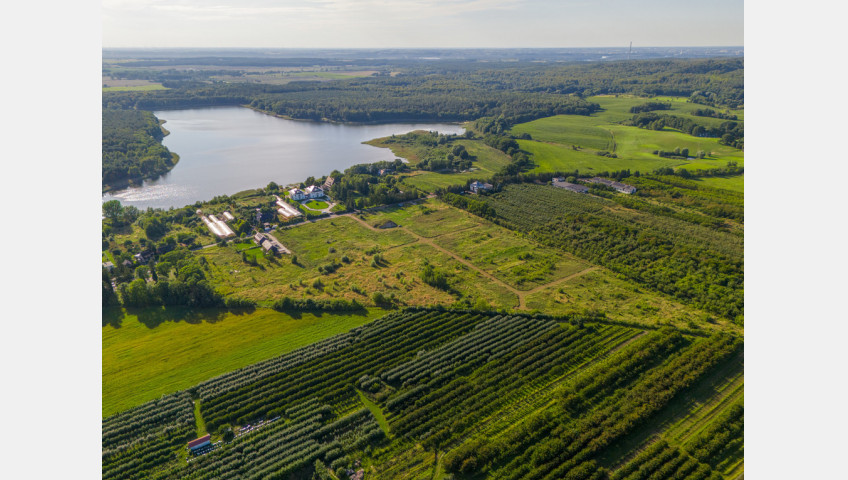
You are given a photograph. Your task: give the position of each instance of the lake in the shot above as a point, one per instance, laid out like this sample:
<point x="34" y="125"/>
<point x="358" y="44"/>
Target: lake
<point x="225" y="150"/>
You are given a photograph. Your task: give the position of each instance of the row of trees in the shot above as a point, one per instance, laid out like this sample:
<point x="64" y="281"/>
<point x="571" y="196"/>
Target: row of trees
<point x="555" y="444"/>
<point x="660" y="251"/>
<point x="729" y="133"/>
<point x="329" y="378"/>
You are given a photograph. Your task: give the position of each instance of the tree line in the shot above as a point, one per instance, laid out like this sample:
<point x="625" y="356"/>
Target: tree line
<point x="729" y="133"/>
<point x="131" y="146"/>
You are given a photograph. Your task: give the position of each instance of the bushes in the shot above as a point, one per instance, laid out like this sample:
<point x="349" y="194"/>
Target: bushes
<point x="287" y="304"/>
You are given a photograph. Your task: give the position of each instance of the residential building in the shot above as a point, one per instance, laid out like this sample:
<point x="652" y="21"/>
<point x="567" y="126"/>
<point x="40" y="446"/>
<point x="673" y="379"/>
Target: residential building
<point x="476" y="186"/>
<point x="314" y="191"/>
<point x="297" y="194"/>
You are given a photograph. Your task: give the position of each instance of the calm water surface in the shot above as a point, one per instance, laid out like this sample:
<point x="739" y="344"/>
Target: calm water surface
<point x="224" y="150"/>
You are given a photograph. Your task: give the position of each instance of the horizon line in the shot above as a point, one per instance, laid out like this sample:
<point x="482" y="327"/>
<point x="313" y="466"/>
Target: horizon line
<point x="412" y="48"/>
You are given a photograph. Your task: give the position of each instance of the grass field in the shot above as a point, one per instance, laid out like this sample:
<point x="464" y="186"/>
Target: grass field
<point x="428" y="219"/>
<point x="621" y="300"/>
<point x="569" y="142"/>
<point x="488" y="162"/>
<point x="316" y="205"/>
<point x="514" y="260"/>
<point x="735" y="183"/>
<point x="398" y="273"/>
<point x="553" y="139"/>
<point x="152" y="352"/>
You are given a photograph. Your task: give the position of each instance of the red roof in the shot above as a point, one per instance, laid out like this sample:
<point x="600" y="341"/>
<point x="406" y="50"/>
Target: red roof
<point x="199" y="441"/>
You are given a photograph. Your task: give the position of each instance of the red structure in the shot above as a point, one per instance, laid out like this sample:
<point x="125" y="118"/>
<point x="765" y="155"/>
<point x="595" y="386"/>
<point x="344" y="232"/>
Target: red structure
<point x="200" y="442"/>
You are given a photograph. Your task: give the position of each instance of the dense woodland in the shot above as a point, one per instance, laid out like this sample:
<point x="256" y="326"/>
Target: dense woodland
<point x="453" y="91"/>
<point x="132" y="147"/>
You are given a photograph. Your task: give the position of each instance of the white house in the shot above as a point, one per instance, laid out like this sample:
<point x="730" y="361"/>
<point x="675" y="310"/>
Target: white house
<point x="297" y="194"/>
<point x="314" y="191"/>
<point x="476" y="186"/>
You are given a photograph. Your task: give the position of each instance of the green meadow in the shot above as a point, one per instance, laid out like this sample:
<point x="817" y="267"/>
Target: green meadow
<point x="735" y="183"/>
<point x="488" y="162"/>
<point x="572" y="142"/>
<point x="151" y="352"/>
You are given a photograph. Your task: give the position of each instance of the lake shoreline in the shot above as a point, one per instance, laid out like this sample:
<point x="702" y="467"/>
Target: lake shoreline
<point x="224" y="150"/>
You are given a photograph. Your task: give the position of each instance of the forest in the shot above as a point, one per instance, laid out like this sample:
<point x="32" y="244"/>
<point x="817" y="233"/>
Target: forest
<point x="132" y="147"/>
<point x="457" y="91"/>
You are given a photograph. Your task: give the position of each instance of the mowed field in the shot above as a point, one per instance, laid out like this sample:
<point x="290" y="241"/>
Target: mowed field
<point x="571" y="142"/>
<point x="488" y="162"/>
<point x="152" y="352"/>
<point x="735" y="183"/>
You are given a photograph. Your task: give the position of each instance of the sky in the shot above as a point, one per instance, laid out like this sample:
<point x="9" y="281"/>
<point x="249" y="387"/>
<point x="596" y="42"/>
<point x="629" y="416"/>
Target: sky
<point x="420" y="23"/>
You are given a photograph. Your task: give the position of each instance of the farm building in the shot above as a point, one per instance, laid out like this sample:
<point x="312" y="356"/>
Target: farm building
<point x="228" y="216"/>
<point x="287" y="210"/>
<point x="569" y="186"/>
<point x="269" y="243"/>
<point x="217" y="227"/>
<point x="143" y="257"/>
<point x="199" y="443"/>
<point x="621" y="187"/>
<point x="314" y="191"/>
<point x="476" y="186"/>
<point x="297" y="194"/>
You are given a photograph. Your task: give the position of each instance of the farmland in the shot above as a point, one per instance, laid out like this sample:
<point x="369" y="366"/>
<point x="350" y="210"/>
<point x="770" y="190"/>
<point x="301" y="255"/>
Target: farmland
<point x="565" y="143"/>
<point x="553" y="138"/>
<point x="540" y="392"/>
<point x="151" y="352"/>
<point x="419" y="331"/>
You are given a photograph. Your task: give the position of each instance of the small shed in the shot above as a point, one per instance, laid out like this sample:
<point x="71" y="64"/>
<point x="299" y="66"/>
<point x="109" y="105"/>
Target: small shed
<point x="200" y="442"/>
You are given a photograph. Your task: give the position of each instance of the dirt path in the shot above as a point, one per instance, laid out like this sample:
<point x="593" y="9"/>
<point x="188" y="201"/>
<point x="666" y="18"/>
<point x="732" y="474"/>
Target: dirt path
<point x="562" y="280"/>
<point x="521" y="294"/>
